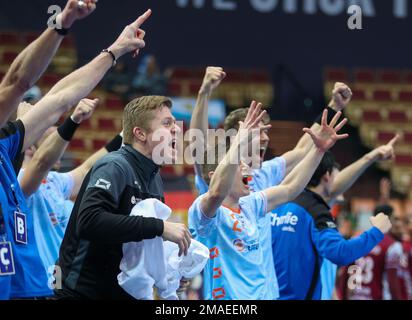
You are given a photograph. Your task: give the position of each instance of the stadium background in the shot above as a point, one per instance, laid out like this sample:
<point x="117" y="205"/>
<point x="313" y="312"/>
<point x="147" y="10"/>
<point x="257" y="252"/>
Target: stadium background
<point x="287" y="57"/>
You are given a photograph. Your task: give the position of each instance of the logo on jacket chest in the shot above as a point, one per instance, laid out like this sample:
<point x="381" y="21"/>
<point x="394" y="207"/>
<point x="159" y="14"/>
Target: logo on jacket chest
<point x="287" y="221"/>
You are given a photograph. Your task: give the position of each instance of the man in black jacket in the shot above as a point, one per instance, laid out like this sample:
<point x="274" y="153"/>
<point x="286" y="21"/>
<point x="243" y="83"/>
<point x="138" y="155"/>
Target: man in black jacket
<point x="100" y="222"/>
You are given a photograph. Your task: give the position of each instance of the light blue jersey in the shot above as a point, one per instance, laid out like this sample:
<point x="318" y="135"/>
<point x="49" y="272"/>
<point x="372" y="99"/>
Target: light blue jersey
<point x="51" y="212"/>
<point x="235" y="270"/>
<point x="270" y="174"/>
<point x="328" y="277"/>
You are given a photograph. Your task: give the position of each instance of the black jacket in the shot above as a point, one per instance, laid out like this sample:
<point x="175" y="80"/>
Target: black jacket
<point x="91" y="250"/>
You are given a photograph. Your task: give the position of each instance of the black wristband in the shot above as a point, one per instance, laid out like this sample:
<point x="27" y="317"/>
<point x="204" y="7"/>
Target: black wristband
<point x="67" y="129"/>
<point x="62" y="31"/>
<point x="331" y="114"/>
<point x="115" y="144"/>
<point x="112" y="55"/>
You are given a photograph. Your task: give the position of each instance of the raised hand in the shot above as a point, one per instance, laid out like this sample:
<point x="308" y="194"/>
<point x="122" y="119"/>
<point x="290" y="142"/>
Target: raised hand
<point x="382" y="222"/>
<point x="327" y="136"/>
<point x="213" y="77"/>
<point x="76" y="10"/>
<point x="252" y="122"/>
<point x="387" y="151"/>
<point x="341" y="96"/>
<point x="84" y="110"/>
<point x="131" y="39"/>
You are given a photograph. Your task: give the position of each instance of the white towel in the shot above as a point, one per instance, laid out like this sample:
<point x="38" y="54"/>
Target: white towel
<point x="155" y="263"/>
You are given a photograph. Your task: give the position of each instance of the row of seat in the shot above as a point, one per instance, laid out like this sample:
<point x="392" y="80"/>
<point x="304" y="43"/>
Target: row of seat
<point x="362" y="75"/>
<point x="381" y="108"/>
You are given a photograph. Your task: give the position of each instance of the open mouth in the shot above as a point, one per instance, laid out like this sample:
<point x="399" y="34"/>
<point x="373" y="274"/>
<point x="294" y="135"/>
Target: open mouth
<point x="173" y="144"/>
<point x="262" y="152"/>
<point x="246" y="179"/>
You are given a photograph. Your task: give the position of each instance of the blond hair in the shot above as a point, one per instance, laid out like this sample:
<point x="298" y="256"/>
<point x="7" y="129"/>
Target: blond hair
<point x="139" y="113"/>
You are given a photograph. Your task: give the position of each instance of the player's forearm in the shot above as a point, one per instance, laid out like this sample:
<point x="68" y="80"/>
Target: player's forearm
<point x="81" y="82"/>
<point x="300" y="176"/>
<point x="200" y="122"/>
<point x="50" y="151"/>
<point x="348" y="176"/>
<point x="224" y="174"/>
<point x="25" y="71"/>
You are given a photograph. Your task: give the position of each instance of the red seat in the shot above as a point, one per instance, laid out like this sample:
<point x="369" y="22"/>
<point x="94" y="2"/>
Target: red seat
<point x="9" y="56"/>
<point x="50" y="79"/>
<point x="30" y="37"/>
<point x="9" y="38"/>
<point x="68" y="42"/>
<point x="382" y="95"/>
<point x="336" y="75"/>
<point x="358" y="94"/>
<point x="86" y="124"/>
<point x="371" y="116"/>
<point x="403" y="159"/>
<point x="407" y="137"/>
<point x="107" y="124"/>
<point x="182" y="73"/>
<point x="385" y="136"/>
<point x="77" y="144"/>
<point x="194" y="88"/>
<point x="408" y="77"/>
<point x="168" y="170"/>
<point x="235" y="76"/>
<point x="175" y="89"/>
<point x="98" y="144"/>
<point x="398" y="116"/>
<point x="364" y="76"/>
<point x="390" y="76"/>
<point x="258" y="77"/>
<point x="114" y="103"/>
<point x="2" y="76"/>
<point x="405" y="96"/>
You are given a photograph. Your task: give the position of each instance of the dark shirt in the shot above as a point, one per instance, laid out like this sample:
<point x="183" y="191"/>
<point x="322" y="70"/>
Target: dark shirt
<point x="100" y="223"/>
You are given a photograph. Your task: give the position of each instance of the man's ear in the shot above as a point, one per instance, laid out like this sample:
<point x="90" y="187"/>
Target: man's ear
<point x="210" y="174"/>
<point x="140" y="134"/>
<point x="326" y="177"/>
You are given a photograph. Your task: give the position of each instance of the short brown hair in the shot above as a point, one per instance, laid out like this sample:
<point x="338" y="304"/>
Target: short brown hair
<point x="139" y="113"/>
<point x="233" y="118"/>
<point x="207" y="167"/>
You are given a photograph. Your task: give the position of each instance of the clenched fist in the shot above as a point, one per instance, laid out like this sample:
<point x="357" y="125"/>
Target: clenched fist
<point x="382" y="222"/>
<point x="213" y="77"/>
<point x="341" y="96"/>
<point x="84" y="110"/>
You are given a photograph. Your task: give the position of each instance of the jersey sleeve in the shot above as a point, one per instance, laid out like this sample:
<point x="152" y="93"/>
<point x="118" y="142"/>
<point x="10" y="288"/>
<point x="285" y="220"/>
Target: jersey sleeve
<point x="273" y="171"/>
<point x="201" y="225"/>
<point x="12" y="138"/>
<point x="255" y="204"/>
<point x="65" y="183"/>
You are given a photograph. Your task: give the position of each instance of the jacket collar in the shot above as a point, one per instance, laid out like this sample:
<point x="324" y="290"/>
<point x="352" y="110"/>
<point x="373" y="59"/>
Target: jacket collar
<point x="318" y="197"/>
<point x="147" y="167"/>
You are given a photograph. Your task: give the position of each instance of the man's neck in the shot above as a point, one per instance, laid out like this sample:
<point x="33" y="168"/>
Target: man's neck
<point x="142" y="150"/>
<point x="320" y="191"/>
<point x="231" y="202"/>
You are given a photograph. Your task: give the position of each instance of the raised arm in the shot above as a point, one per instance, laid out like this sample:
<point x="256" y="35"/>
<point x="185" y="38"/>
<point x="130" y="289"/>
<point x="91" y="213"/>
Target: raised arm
<point x="300" y="176"/>
<point x="348" y="176"/>
<point x="80" y="83"/>
<point x="31" y="63"/>
<point x="211" y="80"/>
<point x="225" y="172"/>
<point x="52" y="149"/>
<point x="341" y="96"/>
